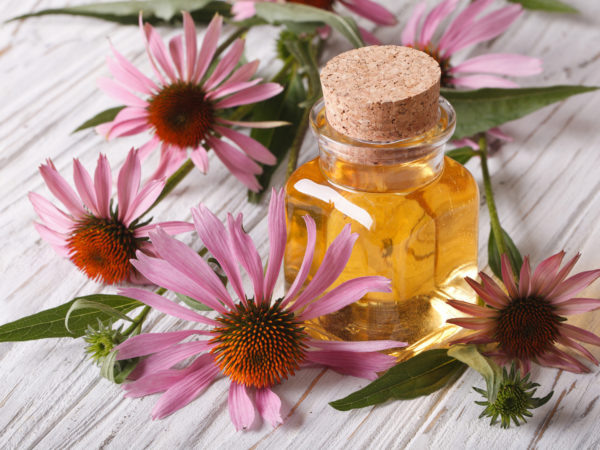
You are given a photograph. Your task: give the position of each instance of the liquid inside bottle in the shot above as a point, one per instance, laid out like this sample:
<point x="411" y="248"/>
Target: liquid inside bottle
<point x="416" y="216"/>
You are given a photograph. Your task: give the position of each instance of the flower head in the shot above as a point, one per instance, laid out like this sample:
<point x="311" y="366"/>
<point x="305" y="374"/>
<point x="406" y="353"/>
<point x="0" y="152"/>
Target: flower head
<point x="257" y="341"/>
<point x="101" y="341"/>
<point x="365" y="8"/>
<point x="514" y="399"/>
<point x="469" y="28"/>
<point x="184" y="108"/>
<point x="526" y="322"/>
<point x="99" y="239"/>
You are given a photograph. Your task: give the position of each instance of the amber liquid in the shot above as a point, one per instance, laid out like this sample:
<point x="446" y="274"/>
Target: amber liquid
<point x="424" y="240"/>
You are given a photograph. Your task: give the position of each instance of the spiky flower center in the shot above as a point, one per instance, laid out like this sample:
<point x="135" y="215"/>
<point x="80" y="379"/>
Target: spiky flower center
<point x="102" y="248"/>
<point x="527" y="327"/>
<point x="511" y="401"/>
<point x="323" y="4"/>
<point x="259" y="345"/>
<point x="181" y="115"/>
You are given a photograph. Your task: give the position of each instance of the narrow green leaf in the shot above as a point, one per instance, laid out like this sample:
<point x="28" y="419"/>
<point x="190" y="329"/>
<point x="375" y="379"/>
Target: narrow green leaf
<point x="107" y="115"/>
<point x="154" y="11"/>
<point x="494" y="260"/>
<point x="280" y="13"/>
<point x="546" y="5"/>
<point x="489" y="370"/>
<point x="461" y="155"/>
<point x="117" y="371"/>
<point x="482" y="109"/>
<point x="194" y="304"/>
<point x="420" y="375"/>
<point x="51" y="322"/>
<point x="83" y="303"/>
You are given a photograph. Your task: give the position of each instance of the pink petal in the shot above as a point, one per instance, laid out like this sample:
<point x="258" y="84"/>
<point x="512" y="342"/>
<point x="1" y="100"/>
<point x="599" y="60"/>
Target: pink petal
<point x="189" y="31"/>
<point x="277" y="240"/>
<point x="176" y="50"/>
<point x="473" y="323"/>
<point x="345" y="294"/>
<point x="501" y="64"/>
<point x="208" y="48"/>
<point x="167" y="358"/>
<point x="200" y="159"/>
<point x="577" y="306"/>
<point x="245" y="252"/>
<point x="499" y="134"/>
<point x="434" y="18"/>
<point x="573" y="285"/>
<point x="240" y="165"/>
<point x="242" y="10"/>
<point x="251" y="147"/>
<point x="250" y="95"/>
<point x="356" y="346"/>
<point x="362" y="365"/>
<point x="54" y="238"/>
<point x="579" y="333"/>
<point x="159" y="51"/>
<point x="148" y="343"/>
<point x="230" y="88"/>
<point x="143" y="200"/>
<point x="559" y="359"/>
<point x="103" y="185"/>
<point x="226" y="65"/>
<point x="368" y="37"/>
<point x="85" y="187"/>
<point x="128" y="183"/>
<point x="130" y="68"/>
<point x="480" y="337"/>
<point x="487" y="297"/>
<point x="410" y="30"/>
<point x="311" y="236"/>
<point x="482" y="81"/>
<point x="508" y="277"/>
<point x="370" y="10"/>
<point x="126" y="78"/>
<point x="50" y="214"/>
<point x="170" y="227"/>
<point x="461" y="24"/>
<point x="568" y="342"/>
<point x="241" y="409"/>
<point x="164" y="305"/>
<point x="473" y="310"/>
<point x="190" y="264"/>
<point x="266" y="124"/>
<point x="160" y="381"/>
<point x="524" y="279"/>
<point x="269" y="406"/>
<point x="545" y="273"/>
<point x="244" y="73"/>
<point x="183" y="392"/>
<point x="128" y="128"/>
<point x="62" y="191"/>
<point x="147" y="148"/>
<point x="492" y="287"/>
<point x="120" y="93"/>
<point x="465" y="142"/>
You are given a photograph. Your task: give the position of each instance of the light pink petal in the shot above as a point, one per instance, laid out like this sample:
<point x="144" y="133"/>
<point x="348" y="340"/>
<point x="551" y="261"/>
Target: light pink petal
<point x="579" y="333"/>
<point x="213" y="235"/>
<point x="524" y="279"/>
<point x="150" y="85"/>
<point x="561" y="360"/>
<point x="240" y="165"/>
<point x="50" y="214"/>
<point x="545" y="273"/>
<point x="200" y="159"/>
<point x="371" y="10"/>
<point x="241" y="409"/>
<point x="184" y="391"/>
<point x="250" y="95"/>
<point x="487" y="297"/>
<point x="474" y="310"/>
<point x="171" y="159"/>
<point x="243" y="74"/>
<point x="461" y="24"/>
<point x="126" y="78"/>
<point x="368" y="37"/>
<point x="277" y="239"/>
<point x="245" y="252"/>
<point x="433" y="19"/>
<point x="128" y="183"/>
<point x="362" y="365"/>
<point x="573" y="285"/>
<point x="148" y="343"/>
<point x="62" y="191"/>
<point x="164" y="305"/>
<point x="190" y="264"/>
<point x="85" y="186"/>
<point x="104" y="129"/>
<point x="53" y="238"/>
<point x="356" y="346"/>
<point x="501" y="64"/>
<point x="568" y="342"/>
<point x="345" y="294"/>
<point x="492" y="287"/>
<point x="143" y="200"/>
<point x="230" y="88"/>
<point x="103" y="185"/>
<point x="148" y="147"/>
<point x="269" y="406"/>
<point x="250" y="146"/>
<point x="311" y="236"/>
<point x="480" y="337"/>
<point x="242" y="10"/>
<point x="170" y="227"/>
<point x="120" y="93"/>
<point x="176" y="50"/>
<point x="159" y="51"/>
<point x="465" y="142"/>
<point x="508" y="277"/>
<point x="499" y="134"/>
<point x="130" y="113"/>
<point x="167" y="358"/>
<point x="145" y="29"/>
<point x="208" y="48"/>
<point x="266" y="124"/>
<point x="410" y="30"/>
<point x="334" y="262"/>
<point x="482" y="81"/>
<point x="128" y="128"/>
<point x="225" y="65"/>
<point x="189" y="31"/>
<point x="473" y="323"/>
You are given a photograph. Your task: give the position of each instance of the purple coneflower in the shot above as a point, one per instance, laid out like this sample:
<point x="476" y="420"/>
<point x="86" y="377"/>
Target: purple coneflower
<point x="526" y="322"/>
<point x="255" y="341"/>
<point x="99" y="239"/>
<point x="184" y="109"/>
<point x="469" y="28"/>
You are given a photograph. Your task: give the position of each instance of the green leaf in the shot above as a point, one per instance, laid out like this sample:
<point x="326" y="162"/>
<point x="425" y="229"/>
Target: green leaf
<point x="420" y="375"/>
<point x="107" y="115"/>
<point x="194" y="304"/>
<point x="461" y="155"/>
<point x="482" y="109"/>
<point x="83" y="303"/>
<point x="117" y="371"/>
<point x="51" y="322"/>
<point x="494" y="260"/>
<point x="278" y="13"/>
<point x="546" y="5"/>
<point x="489" y="370"/>
<point x="154" y="11"/>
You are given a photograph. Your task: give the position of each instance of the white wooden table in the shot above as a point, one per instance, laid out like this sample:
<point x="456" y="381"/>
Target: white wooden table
<point x="51" y="396"/>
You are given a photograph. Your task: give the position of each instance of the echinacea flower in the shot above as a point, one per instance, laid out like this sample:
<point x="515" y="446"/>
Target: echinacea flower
<point x="257" y="341"/>
<point x="469" y="28"/>
<point x="368" y="9"/>
<point x="98" y="238"/>
<point x="184" y="109"/>
<point x="526" y="322"/>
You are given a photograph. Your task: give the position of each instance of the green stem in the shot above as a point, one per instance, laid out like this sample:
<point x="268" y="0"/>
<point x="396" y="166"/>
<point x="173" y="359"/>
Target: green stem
<point x="297" y="143"/>
<point x="172" y="183"/>
<point x="489" y="198"/>
<point x="236" y="34"/>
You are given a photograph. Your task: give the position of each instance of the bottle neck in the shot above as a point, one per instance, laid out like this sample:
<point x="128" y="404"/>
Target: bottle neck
<point x="399" y="166"/>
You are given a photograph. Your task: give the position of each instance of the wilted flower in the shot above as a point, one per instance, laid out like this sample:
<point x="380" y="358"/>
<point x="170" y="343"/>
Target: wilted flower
<point x="99" y="239"/>
<point x="184" y="109"/>
<point x="468" y="29"/>
<point x="257" y="341"/>
<point x="526" y="321"/>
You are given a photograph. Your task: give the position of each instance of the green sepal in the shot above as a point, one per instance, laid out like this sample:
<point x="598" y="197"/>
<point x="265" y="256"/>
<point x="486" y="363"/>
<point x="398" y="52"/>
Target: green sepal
<point x="514" y="256"/>
<point x="108" y="115"/>
<point x="117" y="371"/>
<point x="420" y="375"/>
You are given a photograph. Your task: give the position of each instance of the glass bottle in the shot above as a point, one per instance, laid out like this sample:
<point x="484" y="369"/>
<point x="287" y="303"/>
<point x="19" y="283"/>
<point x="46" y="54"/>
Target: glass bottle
<point x="415" y="212"/>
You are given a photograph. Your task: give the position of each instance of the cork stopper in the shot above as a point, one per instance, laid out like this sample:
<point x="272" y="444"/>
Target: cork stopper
<point x="381" y="93"/>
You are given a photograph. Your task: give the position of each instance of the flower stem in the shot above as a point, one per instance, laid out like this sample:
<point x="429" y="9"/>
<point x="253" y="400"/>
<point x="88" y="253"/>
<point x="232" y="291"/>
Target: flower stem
<point x="172" y="182"/>
<point x="139" y="319"/>
<point x="297" y="142"/>
<point x="232" y="37"/>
